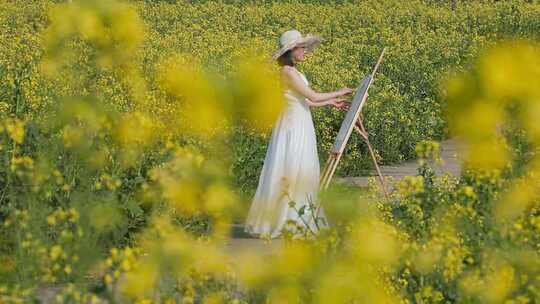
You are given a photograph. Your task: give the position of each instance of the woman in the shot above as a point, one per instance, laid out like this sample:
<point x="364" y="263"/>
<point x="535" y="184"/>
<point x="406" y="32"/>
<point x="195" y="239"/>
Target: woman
<point x="291" y="167"/>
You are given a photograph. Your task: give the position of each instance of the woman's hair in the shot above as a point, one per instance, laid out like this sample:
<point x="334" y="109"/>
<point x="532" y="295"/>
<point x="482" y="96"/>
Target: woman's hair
<point x="286" y="59"/>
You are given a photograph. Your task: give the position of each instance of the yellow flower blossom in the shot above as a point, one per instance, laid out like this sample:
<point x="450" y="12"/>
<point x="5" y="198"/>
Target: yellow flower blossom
<point x="15" y="129"/>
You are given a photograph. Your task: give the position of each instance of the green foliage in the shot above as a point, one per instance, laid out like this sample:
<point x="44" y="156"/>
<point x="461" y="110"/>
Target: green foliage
<point x="425" y="41"/>
<point x="122" y="124"/>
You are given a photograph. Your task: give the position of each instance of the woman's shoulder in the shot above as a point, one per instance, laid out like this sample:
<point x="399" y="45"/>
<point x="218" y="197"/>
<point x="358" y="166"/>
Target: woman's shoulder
<point x="289" y="71"/>
<point x="286" y="70"/>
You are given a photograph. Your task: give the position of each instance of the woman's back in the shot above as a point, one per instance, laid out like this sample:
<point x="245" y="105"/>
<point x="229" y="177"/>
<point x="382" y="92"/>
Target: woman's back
<point x="292" y="96"/>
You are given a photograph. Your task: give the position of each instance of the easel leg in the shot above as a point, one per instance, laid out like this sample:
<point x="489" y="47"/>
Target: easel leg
<point x="325" y="169"/>
<point x="328" y="171"/>
<point x="331" y="170"/>
<point x="360" y="129"/>
<point x="329" y="164"/>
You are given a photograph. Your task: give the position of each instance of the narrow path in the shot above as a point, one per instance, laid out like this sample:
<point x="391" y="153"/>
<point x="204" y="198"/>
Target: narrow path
<point x="242" y="242"/>
<point x="450" y="164"/>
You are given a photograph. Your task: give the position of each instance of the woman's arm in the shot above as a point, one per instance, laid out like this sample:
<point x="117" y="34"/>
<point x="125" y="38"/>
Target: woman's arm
<point x="336" y="102"/>
<point x="293" y="80"/>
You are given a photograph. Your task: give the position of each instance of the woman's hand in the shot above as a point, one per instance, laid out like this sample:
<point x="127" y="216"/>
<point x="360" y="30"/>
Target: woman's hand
<point x="345" y="91"/>
<point x="339" y="103"/>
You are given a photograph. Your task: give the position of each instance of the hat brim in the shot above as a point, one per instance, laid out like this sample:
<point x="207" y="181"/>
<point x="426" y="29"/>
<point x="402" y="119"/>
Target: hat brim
<point x="310" y="42"/>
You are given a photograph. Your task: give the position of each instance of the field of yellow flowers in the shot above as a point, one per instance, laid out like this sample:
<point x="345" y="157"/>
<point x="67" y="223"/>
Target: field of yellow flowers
<point x="130" y="132"/>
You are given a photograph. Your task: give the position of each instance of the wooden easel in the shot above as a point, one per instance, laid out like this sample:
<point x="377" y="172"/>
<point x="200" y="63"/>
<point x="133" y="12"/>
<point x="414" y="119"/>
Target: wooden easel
<point x="337" y="150"/>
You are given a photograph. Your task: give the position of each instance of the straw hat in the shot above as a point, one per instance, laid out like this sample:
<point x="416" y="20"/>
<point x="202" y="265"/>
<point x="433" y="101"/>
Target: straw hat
<point x="293" y="38"/>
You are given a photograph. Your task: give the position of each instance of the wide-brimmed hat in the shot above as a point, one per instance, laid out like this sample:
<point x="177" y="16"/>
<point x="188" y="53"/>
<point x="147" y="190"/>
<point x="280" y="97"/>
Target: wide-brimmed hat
<point x="293" y="38"/>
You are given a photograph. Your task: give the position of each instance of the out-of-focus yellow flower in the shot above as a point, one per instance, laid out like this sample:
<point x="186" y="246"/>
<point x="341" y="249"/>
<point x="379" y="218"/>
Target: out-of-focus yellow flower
<point x="219" y="198"/>
<point x="410" y="185"/>
<point x="24" y="161"/>
<point x="375" y="242"/>
<point x="73" y="215"/>
<point x="427" y="258"/>
<point x="141" y="282"/>
<point x="55" y="252"/>
<point x="126" y="265"/>
<point x="258" y="93"/>
<point x="295" y="258"/>
<point x="66" y="188"/>
<point x="15" y="129"/>
<point x="469" y="192"/>
<point x="114" y="252"/>
<point x="202" y="112"/>
<point x="73" y="136"/>
<point x="519" y="197"/>
<point x="136" y="130"/>
<point x="214" y="298"/>
<point x="108" y="279"/>
<point x="343" y="283"/>
<point x="506" y="70"/>
<point x="114" y="28"/>
<point x="51" y="220"/>
<point x="478" y="101"/>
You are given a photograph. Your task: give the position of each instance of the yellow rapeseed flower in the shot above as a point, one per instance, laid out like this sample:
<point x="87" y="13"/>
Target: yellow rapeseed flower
<point x="15" y="129"/>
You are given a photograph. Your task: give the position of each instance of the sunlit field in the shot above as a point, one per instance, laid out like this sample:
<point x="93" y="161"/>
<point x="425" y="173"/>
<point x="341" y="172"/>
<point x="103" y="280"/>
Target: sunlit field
<point x="133" y="133"/>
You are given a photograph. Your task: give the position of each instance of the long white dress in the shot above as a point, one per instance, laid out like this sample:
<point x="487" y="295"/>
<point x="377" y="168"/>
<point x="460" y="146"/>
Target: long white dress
<point x="290" y="172"/>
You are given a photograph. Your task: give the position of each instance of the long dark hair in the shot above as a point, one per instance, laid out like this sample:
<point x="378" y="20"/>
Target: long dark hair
<point x="286" y="59"/>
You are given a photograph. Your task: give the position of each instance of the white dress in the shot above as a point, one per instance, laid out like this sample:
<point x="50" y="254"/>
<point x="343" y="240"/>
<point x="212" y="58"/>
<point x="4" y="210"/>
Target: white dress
<point x="290" y="173"/>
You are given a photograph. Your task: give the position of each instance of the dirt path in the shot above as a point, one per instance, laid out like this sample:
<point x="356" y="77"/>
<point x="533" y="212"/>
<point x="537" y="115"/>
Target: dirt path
<point x="448" y="155"/>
